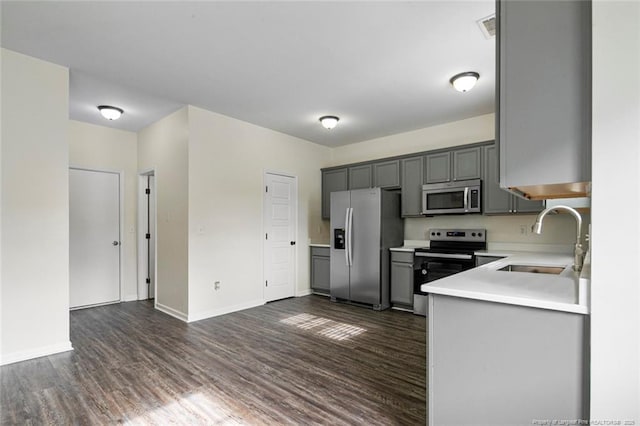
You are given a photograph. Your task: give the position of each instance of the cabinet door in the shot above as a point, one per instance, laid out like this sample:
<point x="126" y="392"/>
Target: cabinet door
<point x="402" y="283"/>
<point x="412" y="178"/>
<point x="496" y="200"/>
<point x="438" y="167"/>
<point x="360" y="177"/>
<point x="466" y="163"/>
<point x="332" y="180"/>
<point x="320" y="274"/>
<point x="544" y="91"/>
<point x="386" y="174"/>
<point x="483" y="260"/>
<point x="521" y="205"/>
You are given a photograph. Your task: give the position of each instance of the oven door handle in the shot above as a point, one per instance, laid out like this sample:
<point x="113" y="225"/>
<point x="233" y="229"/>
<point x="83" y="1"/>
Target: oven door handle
<point x="445" y="255"/>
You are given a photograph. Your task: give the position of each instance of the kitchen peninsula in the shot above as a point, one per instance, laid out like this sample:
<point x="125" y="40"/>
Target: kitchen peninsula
<point x="509" y="347"/>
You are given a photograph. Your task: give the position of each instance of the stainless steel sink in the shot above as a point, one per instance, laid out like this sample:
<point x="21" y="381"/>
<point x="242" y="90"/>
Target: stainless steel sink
<point x="533" y="269"/>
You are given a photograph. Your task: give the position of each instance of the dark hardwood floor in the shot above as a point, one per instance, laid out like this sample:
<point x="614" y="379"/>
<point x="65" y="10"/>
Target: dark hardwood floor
<point x="297" y="361"/>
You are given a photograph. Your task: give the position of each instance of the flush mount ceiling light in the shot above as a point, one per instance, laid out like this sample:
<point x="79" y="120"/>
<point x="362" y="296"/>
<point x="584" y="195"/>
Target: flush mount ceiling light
<point x="110" y="112"/>
<point x="465" y="81"/>
<point x="329" y="121"/>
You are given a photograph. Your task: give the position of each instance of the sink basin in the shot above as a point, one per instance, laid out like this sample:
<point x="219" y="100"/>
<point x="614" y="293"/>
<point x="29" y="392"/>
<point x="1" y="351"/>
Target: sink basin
<point x="533" y="269"/>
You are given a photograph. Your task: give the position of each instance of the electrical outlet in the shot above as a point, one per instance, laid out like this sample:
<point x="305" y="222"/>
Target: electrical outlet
<point x="216" y="285"/>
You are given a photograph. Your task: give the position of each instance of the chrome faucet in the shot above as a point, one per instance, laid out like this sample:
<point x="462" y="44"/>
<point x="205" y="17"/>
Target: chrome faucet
<point x="578" y="253"/>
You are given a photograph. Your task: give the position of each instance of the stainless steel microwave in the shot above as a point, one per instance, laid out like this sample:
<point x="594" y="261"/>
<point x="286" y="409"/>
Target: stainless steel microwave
<point x="458" y="197"/>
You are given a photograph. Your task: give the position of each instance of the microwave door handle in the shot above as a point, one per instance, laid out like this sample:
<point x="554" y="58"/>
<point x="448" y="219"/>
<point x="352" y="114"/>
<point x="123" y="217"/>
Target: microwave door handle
<point x="466" y="198"/>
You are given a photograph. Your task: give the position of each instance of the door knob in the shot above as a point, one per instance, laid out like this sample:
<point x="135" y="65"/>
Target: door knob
<point x="115" y="243"/>
<point x="293" y="243"/>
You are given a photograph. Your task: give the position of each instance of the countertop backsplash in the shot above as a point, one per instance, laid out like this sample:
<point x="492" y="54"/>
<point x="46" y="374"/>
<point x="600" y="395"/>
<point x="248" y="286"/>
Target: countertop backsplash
<point x="557" y="229"/>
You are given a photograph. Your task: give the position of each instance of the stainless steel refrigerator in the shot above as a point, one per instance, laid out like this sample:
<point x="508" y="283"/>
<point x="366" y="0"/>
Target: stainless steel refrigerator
<point x="365" y="223"/>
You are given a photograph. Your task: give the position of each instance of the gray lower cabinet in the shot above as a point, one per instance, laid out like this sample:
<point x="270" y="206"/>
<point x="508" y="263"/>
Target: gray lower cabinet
<point x="498" y="364"/>
<point x="332" y="180"/>
<point x="402" y="279"/>
<point x="320" y="272"/>
<point x="386" y="174"/>
<point x="496" y="200"/>
<point x="412" y="180"/>
<point x="483" y="260"/>
<point x="467" y="164"/>
<point x="360" y="177"/>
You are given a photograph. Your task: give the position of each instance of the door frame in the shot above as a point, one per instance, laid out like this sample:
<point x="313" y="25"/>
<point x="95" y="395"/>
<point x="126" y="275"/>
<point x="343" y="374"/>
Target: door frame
<point x="264" y="227"/>
<point x="121" y="175"/>
<point x="141" y="241"/>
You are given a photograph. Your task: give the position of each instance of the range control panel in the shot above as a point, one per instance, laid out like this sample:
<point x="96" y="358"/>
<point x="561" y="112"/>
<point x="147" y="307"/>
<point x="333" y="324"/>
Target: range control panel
<point x="479" y="235"/>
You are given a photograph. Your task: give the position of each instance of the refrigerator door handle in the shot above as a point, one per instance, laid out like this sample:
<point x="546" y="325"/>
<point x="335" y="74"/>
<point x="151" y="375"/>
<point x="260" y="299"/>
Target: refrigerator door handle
<point x="346" y="236"/>
<point x="349" y="238"/>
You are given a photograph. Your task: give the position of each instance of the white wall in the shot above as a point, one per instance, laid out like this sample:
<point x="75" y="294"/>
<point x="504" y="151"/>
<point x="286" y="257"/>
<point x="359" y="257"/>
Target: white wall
<point x="163" y="146"/>
<point x="615" y="288"/>
<point x="227" y="161"/>
<point x="104" y="148"/>
<point x="35" y="208"/>
<point x="475" y="129"/>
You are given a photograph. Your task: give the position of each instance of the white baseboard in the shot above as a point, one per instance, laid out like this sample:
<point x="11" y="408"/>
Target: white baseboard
<point x="226" y="310"/>
<point x="130" y="298"/>
<point x="173" y="312"/>
<point x="35" y="353"/>
<point x="306" y="292"/>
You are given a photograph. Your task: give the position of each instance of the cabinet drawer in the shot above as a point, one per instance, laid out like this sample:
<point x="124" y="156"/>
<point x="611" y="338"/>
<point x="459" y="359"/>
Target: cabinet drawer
<point x="402" y="256"/>
<point x="320" y="251"/>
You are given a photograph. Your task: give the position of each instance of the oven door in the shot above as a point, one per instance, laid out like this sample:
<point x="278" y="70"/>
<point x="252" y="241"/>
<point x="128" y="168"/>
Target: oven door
<point x="434" y="266"/>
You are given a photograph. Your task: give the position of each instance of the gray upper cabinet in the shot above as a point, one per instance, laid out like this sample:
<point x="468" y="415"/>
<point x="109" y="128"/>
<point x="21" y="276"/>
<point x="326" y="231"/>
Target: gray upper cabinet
<point x="520" y="205"/>
<point x="332" y="180"/>
<point x="386" y="174"/>
<point x="360" y="177"/>
<point x="466" y="163"/>
<point x="495" y="199"/>
<point x="544" y="96"/>
<point x="437" y="167"/>
<point x="408" y="173"/>
<point x="412" y="179"/>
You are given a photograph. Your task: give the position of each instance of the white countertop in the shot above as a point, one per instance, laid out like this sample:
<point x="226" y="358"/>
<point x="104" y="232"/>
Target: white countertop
<point x="565" y="292"/>
<point x="411" y="245"/>
<point x="319" y="245"/>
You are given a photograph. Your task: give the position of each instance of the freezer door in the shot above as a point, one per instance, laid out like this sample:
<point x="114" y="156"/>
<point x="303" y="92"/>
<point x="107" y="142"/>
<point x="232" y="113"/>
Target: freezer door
<point x="365" y="245"/>
<point x="339" y="270"/>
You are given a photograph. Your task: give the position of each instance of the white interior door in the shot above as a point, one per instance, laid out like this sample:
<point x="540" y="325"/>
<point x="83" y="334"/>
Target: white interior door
<point x="94" y="237"/>
<point x="152" y="240"/>
<point x="280" y="203"/>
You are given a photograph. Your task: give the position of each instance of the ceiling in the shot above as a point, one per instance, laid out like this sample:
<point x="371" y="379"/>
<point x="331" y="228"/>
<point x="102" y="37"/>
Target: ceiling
<point x="382" y="67"/>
